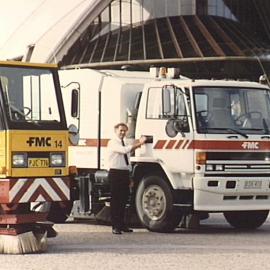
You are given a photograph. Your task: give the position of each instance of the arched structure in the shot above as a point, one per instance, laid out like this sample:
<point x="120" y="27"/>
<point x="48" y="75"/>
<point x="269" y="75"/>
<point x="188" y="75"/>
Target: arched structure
<point x="205" y="38"/>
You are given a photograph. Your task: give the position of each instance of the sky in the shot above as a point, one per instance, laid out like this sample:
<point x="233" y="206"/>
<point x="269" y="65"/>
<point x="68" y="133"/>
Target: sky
<point x="23" y="22"/>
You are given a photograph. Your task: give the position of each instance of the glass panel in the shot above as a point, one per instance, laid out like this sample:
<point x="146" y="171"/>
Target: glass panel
<point x="152" y="50"/>
<point x="126" y="16"/>
<point x="166" y="39"/>
<point x="137" y="44"/>
<point x="115" y="8"/>
<point x="154" y="103"/>
<point x="122" y="52"/>
<point x="109" y="55"/>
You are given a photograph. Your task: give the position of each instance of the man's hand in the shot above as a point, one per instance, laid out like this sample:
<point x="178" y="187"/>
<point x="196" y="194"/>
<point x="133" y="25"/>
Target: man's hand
<point x="142" y="140"/>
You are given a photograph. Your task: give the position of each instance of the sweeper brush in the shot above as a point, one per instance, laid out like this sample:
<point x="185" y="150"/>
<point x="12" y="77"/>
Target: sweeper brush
<point x="27" y="242"/>
<point x="22" y="230"/>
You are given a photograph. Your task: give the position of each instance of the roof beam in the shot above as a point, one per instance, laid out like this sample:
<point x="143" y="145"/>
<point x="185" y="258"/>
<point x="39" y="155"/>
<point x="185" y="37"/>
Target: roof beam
<point x="228" y="40"/>
<point x="208" y="36"/>
<point x="174" y="39"/>
<point x="191" y="38"/>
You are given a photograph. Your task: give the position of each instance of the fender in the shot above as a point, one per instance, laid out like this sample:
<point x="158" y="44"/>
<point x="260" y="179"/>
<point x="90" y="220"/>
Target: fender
<point x="177" y="180"/>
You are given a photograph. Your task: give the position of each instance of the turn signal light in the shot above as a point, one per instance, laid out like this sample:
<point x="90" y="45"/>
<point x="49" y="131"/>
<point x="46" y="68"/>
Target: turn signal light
<point x="72" y="170"/>
<point x="201" y="158"/>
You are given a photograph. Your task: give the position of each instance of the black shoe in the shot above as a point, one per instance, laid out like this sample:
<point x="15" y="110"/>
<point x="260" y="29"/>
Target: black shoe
<point x="116" y="231"/>
<point x="126" y="229"/>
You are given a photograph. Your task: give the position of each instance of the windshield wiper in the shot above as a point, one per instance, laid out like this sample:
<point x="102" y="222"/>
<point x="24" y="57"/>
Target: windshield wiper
<point x="238" y="132"/>
<point x="233" y="130"/>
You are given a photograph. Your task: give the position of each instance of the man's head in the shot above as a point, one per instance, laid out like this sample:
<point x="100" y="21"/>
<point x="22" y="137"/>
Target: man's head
<point x="121" y="130"/>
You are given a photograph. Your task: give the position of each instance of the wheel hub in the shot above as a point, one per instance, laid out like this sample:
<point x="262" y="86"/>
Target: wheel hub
<point x="154" y="202"/>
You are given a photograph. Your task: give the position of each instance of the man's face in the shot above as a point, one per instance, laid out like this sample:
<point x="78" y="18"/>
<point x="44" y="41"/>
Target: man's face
<point x="121" y="132"/>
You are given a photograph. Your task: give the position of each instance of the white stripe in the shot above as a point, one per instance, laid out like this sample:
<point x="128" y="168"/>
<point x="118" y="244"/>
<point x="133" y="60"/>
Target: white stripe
<point x="43" y="183"/>
<point x="181" y="145"/>
<point x="187" y="145"/>
<point x="16" y="188"/>
<point x="63" y="186"/>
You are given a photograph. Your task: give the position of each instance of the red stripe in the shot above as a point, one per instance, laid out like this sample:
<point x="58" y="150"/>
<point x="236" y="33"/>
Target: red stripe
<point x="22" y="190"/>
<point x="94" y="142"/>
<point x="40" y="191"/>
<point x="178" y="144"/>
<point x="170" y="144"/>
<point x="160" y="144"/>
<point x="185" y="144"/>
<point x="198" y="144"/>
<point x="230" y="145"/>
<point x="57" y="189"/>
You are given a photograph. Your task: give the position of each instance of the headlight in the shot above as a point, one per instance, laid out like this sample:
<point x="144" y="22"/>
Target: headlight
<point x="209" y="167"/>
<point x="219" y="167"/>
<point x="19" y="160"/>
<point x="57" y="160"/>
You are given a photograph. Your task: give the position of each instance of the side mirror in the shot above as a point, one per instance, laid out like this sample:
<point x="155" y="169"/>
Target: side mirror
<point x="75" y="103"/>
<point x="73" y="134"/>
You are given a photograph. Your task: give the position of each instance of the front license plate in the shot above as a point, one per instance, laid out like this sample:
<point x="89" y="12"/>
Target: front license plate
<point x="38" y="162"/>
<point x="251" y="184"/>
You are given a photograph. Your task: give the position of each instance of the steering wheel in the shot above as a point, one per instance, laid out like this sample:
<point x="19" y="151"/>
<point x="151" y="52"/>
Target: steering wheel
<point x="28" y="111"/>
<point x="20" y="114"/>
<point x="243" y="119"/>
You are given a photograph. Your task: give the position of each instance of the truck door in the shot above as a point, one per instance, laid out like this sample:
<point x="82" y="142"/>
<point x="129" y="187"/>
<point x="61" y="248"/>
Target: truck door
<point x="167" y="119"/>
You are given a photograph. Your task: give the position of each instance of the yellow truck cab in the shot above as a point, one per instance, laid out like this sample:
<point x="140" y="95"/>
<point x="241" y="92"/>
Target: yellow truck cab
<point x="33" y="142"/>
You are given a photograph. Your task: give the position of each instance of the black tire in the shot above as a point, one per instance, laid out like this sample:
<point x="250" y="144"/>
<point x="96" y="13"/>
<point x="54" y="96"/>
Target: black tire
<point x="60" y="211"/>
<point x="249" y="220"/>
<point x="154" y="205"/>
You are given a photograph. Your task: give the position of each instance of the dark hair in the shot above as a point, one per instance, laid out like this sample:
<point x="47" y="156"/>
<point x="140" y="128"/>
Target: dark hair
<point x="120" y="125"/>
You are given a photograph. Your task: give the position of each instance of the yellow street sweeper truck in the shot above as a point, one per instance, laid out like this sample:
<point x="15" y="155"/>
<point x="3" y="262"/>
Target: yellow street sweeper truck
<point x="33" y="153"/>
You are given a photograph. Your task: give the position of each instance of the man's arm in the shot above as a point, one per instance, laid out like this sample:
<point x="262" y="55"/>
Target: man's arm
<point x="139" y="143"/>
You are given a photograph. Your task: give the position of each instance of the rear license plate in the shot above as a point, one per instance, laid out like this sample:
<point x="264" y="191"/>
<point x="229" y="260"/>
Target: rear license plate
<point x="251" y="184"/>
<point x="38" y="162"/>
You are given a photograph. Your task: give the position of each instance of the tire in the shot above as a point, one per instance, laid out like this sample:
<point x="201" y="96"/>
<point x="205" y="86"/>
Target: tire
<point x="59" y="212"/>
<point x="154" y="205"/>
<point x="249" y="220"/>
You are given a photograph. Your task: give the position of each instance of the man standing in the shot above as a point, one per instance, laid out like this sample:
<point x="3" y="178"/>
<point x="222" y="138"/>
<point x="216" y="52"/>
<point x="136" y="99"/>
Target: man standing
<point x="119" y="171"/>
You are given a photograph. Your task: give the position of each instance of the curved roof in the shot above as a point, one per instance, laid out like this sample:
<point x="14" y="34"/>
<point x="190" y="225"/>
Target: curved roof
<point x="209" y="38"/>
<point x="52" y="45"/>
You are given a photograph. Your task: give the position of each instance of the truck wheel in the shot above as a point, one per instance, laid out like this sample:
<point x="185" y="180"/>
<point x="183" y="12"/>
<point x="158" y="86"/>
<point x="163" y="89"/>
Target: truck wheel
<point x="59" y="212"/>
<point x="246" y="219"/>
<point x="154" y="205"/>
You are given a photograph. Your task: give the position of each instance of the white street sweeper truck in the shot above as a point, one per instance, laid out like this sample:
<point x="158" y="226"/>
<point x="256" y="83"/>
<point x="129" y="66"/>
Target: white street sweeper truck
<point x="207" y="151"/>
<point x="33" y="153"/>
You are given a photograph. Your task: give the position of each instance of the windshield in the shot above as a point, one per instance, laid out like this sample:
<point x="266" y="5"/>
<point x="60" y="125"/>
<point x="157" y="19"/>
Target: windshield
<point x="29" y="96"/>
<point x="232" y="110"/>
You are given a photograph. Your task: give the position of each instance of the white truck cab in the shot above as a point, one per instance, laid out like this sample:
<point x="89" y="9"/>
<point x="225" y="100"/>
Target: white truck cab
<point x="207" y="151"/>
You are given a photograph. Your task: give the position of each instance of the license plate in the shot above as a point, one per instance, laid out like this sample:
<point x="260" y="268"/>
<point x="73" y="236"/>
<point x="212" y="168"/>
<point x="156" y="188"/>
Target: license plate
<point x="251" y="184"/>
<point x="38" y="162"/>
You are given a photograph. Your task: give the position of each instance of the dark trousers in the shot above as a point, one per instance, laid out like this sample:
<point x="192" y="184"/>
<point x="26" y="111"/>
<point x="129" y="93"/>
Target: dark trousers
<point x="119" y="181"/>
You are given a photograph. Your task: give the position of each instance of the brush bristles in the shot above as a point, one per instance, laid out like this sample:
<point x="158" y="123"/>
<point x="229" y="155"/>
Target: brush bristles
<point x="23" y="243"/>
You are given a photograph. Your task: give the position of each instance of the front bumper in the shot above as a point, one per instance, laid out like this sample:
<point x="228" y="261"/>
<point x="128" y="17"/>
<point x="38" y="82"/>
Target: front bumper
<point x="218" y="194"/>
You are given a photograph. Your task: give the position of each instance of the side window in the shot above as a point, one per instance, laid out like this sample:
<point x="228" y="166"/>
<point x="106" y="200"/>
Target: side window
<point x="154" y="103"/>
<point x="180" y="104"/>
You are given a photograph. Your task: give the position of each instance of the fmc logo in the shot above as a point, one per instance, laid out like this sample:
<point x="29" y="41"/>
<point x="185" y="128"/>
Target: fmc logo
<point x="39" y="141"/>
<point x="250" y="145"/>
